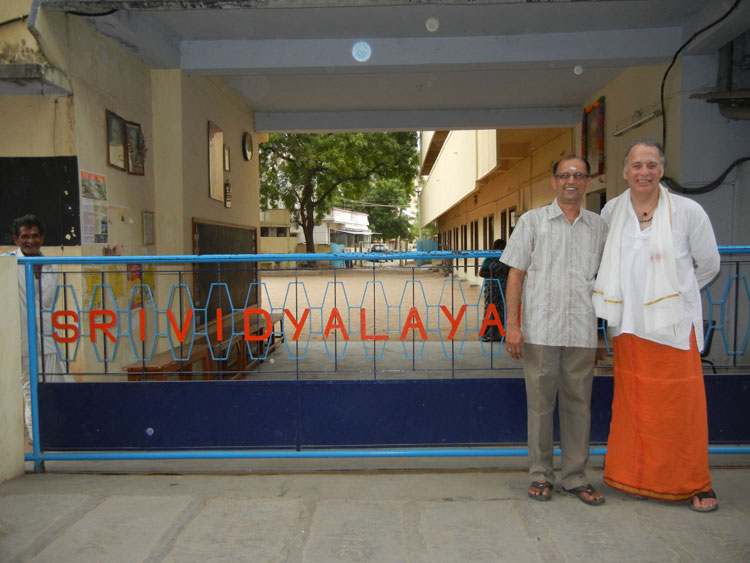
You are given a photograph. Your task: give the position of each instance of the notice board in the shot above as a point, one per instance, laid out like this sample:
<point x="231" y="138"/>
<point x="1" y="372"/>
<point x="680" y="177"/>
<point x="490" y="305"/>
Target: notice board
<point x="219" y="238"/>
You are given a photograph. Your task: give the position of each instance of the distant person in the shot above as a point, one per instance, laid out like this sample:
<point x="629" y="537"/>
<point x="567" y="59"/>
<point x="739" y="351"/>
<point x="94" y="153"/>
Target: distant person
<point x="557" y="247"/>
<point x="660" y="251"/>
<point x="497" y="272"/>
<point x="28" y="235"/>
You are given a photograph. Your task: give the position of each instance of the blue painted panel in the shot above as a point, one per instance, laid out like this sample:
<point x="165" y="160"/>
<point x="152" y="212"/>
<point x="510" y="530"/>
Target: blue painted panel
<point x="249" y="414"/>
<point x="728" y="398"/>
<point x="211" y="414"/>
<point x="409" y="412"/>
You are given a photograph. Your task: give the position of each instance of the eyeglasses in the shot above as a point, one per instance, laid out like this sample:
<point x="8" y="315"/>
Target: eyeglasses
<point x="568" y="176"/>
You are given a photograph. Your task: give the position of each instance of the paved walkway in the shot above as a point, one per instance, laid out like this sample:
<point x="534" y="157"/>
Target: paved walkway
<point x="346" y="510"/>
<point x="346" y="516"/>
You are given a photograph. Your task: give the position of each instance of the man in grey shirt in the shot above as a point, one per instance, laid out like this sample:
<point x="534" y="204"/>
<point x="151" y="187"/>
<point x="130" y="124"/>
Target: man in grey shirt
<point x="557" y="248"/>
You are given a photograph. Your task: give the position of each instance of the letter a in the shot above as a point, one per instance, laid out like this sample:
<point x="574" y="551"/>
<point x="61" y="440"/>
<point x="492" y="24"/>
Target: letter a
<point x="492" y="317"/>
<point x="413" y="321"/>
<point x="339" y="324"/>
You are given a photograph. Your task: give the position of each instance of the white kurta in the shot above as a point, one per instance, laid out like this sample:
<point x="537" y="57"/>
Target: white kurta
<point x="45" y="346"/>
<point x="697" y="261"/>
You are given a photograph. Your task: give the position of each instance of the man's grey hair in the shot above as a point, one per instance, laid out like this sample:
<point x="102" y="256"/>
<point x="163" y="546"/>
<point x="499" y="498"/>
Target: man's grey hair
<point x="648" y="143"/>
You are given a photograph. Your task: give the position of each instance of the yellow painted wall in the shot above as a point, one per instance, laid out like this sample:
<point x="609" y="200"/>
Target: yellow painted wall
<point x="37" y="126"/>
<point x="454" y="175"/>
<point x="486" y="151"/>
<point x="11" y="402"/>
<point x="204" y="100"/>
<point x="104" y="77"/>
<point x="10" y="9"/>
<point x="625" y="96"/>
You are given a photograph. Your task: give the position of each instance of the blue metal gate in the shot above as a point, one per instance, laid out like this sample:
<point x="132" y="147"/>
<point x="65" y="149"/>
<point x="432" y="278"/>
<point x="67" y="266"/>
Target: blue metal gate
<point x="324" y="374"/>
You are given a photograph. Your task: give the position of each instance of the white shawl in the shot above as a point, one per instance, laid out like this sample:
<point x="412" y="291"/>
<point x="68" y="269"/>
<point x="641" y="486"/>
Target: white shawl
<point x="662" y="306"/>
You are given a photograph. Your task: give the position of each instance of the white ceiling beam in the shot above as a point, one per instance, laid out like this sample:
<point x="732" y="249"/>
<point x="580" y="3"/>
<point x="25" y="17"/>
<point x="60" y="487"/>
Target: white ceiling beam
<point x="640" y="46"/>
<point x="413" y="120"/>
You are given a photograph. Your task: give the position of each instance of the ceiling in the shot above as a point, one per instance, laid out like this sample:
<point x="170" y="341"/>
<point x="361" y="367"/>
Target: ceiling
<point x="430" y="65"/>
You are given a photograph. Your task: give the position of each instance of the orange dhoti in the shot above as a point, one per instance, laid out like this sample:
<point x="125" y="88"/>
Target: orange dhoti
<point x="658" y="437"/>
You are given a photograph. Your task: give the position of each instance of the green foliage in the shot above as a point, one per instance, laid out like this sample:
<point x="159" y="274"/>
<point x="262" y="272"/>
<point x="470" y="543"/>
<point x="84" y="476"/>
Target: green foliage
<point x="389" y="198"/>
<point x="428" y="232"/>
<point x="307" y="171"/>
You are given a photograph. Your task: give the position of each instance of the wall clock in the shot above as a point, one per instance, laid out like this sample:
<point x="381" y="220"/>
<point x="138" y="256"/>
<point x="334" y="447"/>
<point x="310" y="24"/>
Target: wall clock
<point x="247" y="145"/>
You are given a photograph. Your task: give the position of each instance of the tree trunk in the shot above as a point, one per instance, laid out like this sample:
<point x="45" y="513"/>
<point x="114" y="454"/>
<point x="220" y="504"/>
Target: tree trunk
<point x="308" y="226"/>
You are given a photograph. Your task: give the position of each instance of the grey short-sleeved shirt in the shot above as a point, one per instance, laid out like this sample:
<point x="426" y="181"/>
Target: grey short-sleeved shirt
<point x="561" y="261"/>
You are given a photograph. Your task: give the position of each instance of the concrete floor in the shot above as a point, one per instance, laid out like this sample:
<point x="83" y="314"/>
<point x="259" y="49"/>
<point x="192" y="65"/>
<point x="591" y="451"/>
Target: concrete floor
<point x="245" y="511"/>
<point x="348" y="510"/>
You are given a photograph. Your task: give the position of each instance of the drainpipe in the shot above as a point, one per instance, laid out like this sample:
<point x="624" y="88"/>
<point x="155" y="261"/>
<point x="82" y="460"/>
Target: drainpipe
<point x="724" y="78"/>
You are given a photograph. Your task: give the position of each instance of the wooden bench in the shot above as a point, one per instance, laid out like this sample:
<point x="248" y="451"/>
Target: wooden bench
<point x="164" y="364"/>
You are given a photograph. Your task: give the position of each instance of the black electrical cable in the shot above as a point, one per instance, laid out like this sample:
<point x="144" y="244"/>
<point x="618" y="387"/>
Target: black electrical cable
<point x="673" y="185"/>
<point x="670" y="182"/>
<point x="674" y="60"/>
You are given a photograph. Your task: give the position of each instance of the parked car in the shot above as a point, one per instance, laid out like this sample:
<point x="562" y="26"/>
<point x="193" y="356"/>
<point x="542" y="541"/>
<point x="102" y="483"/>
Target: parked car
<point x="379" y="247"/>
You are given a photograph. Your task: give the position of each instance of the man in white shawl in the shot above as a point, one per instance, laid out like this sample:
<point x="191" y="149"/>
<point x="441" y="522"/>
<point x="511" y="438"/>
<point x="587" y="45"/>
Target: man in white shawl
<point x="660" y="251"/>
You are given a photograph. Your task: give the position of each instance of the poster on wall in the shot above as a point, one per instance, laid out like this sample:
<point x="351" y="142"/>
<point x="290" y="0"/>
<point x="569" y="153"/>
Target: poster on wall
<point x="93" y="186"/>
<point x="94" y="216"/>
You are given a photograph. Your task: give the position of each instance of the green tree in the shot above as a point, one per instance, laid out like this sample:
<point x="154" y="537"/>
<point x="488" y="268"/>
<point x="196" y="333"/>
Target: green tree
<point x="306" y="171"/>
<point x="384" y="203"/>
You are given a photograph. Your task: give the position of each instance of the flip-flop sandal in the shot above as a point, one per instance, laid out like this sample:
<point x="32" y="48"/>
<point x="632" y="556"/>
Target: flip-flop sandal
<point x="576" y="491"/>
<point x="701" y="496"/>
<point x="541" y="486"/>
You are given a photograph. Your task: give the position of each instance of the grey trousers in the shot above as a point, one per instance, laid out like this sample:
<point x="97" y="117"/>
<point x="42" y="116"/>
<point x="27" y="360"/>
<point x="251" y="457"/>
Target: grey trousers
<point x="565" y="373"/>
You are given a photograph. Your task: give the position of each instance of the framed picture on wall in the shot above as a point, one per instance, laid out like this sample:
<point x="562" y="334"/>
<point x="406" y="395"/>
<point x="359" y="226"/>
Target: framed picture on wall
<point x="592" y="136"/>
<point x="136" y="145"/>
<point x="215" y="162"/>
<point x="115" y="140"/>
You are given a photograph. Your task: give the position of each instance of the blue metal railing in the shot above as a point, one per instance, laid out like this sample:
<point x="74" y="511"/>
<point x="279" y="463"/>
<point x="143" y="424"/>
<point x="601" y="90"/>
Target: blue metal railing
<point x="39" y="457"/>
